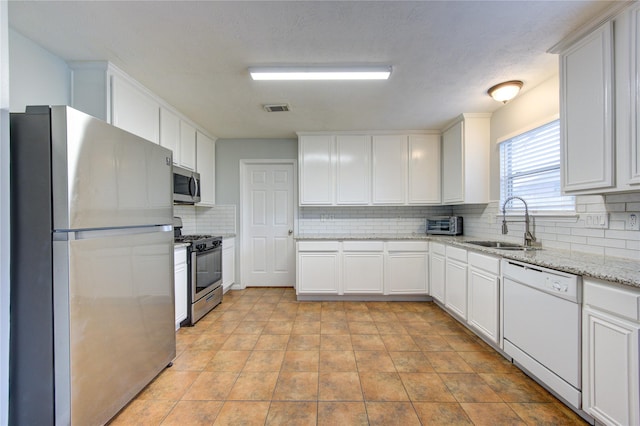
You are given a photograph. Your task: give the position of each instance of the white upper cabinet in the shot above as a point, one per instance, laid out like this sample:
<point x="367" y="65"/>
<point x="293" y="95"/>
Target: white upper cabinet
<point x="170" y="132"/>
<point x="106" y="92"/>
<point x="187" y="145"/>
<point x="586" y="73"/>
<point x="424" y="169"/>
<point x="599" y="106"/>
<point x="206" y="161"/>
<point x="465" y="159"/>
<point x="316" y="174"/>
<point x="133" y="110"/>
<point x="627" y="63"/>
<point x="369" y="169"/>
<point x="389" y="169"/>
<point x="353" y="157"/>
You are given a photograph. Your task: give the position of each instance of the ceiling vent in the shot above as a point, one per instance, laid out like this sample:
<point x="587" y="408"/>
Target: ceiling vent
<point x="276" y="107"/>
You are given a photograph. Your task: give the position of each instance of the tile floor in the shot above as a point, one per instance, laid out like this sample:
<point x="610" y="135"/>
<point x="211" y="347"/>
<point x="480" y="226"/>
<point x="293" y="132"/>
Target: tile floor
<point x="263" y="358"/>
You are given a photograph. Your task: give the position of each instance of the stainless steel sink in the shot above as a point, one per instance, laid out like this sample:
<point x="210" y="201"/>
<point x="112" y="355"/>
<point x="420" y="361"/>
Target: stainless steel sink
<point x="501" y="245"/>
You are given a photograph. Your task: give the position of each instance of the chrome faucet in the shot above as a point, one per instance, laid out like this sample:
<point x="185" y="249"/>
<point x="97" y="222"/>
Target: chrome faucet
<point x="528" y="236"/>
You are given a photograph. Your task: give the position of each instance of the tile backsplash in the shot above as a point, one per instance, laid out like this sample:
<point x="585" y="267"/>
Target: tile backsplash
<point x="207" y="220"/>
<point x="565" y="232"/>
<point x="485" y="222"/>
<point x="366" y="220"/>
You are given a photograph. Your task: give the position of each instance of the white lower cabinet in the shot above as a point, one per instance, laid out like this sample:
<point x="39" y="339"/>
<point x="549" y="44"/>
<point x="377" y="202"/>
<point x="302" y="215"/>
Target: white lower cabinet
<point x="407" y="267"/>
<point x="363" y="267"/>
<point x="317" y="267"/>
<point x="180" y="283"/>
<point x="437" y="260"/>
<point x="483" y="301"/>
<point x="610" y="364"/>
<point x="228" y="262"/>
<point x="455" y="279"/>
<point x="376" y="268"/>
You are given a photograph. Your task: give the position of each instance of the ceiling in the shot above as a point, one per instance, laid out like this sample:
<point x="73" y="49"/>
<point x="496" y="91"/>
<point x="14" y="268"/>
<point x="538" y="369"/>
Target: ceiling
<point x="195" y="55"/>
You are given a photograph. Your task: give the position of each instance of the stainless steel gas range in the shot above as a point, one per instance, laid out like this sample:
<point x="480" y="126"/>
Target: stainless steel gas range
<point x="204" y="276"/>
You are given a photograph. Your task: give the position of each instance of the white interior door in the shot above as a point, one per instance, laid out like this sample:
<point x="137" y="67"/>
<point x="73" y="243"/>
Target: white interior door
<point x="268" y="251"/>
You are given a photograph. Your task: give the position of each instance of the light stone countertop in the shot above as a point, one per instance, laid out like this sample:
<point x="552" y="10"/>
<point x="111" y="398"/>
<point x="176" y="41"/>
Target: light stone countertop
<point x="617" y="270"/>
<point x="179" y="245"/>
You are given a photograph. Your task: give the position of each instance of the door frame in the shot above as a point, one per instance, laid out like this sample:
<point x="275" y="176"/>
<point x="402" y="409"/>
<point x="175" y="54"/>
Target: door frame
<point x="243" y="170"/>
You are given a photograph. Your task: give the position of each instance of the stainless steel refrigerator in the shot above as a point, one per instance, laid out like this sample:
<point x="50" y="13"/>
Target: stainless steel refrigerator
<point x="92" y="296"/>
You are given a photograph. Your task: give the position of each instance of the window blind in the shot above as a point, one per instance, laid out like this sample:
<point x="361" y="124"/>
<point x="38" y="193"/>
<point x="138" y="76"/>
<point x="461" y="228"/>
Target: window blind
<point x="530" y="168"/>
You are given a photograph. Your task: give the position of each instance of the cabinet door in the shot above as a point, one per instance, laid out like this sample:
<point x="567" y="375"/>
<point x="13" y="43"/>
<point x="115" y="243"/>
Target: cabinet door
<point x="483" y="308"/>
<point x="206" y="163"/>
<point x="180" y="277"/>
<point x="452" y="159"/>
<point x="407" y="273"/>
<point x="170" y="133"/>
<point x="424" y="169"/>
<point x="353" y="156"/>
<point x="437" y="276"/>
<point x="456" y="287"/>
<point x="611" y="385"/>
<point x="133" y="110"/>
<point x="634" y="141"/>
<point x="228" y="262"/>
<point x="586" y="73"/>
<point x="362" y="272"/>
<point x="316" y="166"/>
<point x="317" y="273"/>
<point x="389" y="169"/>
<point x="187" y="145"/>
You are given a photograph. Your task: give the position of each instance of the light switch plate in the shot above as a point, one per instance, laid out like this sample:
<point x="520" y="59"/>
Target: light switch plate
<point x="596" y="220"/>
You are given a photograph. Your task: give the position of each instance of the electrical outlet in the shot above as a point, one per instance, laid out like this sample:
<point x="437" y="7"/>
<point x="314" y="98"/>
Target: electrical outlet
<point x="633" y="222"/>
<point x="596" y="220"/>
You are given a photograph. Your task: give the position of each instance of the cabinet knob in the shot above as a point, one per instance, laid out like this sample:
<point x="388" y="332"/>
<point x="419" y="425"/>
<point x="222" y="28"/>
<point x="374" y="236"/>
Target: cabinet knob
<point x="290" y="231"/>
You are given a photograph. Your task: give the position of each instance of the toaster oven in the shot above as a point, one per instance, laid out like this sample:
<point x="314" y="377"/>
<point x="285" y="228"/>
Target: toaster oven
<point x="444" y="225"/>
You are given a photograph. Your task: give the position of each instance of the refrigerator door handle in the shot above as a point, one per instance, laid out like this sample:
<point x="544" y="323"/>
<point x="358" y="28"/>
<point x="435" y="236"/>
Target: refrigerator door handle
<point x="113" y="232"/>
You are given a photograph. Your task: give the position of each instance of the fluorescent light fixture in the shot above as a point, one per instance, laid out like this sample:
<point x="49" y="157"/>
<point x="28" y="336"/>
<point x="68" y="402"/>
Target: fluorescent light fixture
<point x="320" y="73"/>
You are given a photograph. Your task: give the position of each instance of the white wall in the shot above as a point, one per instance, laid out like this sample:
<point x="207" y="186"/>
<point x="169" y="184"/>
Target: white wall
<point x="37" y="77"/>
<point x="4" y="215"/>
<point x="539" y="103"/>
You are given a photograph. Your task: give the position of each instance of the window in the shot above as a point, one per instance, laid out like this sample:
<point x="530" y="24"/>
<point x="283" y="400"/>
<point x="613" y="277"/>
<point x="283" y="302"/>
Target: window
<point x="530" y="168"/>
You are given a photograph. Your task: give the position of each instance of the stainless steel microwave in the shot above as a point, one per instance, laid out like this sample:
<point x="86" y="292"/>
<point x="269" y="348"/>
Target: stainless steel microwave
<point x="444" y="225"/>
<point x="186" y="186"/>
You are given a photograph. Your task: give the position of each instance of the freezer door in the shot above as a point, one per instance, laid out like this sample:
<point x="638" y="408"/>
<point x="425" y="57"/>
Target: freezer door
<point x="105" y="177"/>
<point x="113" y="319"/>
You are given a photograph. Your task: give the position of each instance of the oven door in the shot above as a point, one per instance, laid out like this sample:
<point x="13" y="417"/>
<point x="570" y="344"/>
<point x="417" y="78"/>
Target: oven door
<point x="207" y="272"/>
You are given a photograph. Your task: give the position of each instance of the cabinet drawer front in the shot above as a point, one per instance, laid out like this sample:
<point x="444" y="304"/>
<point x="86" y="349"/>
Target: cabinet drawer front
<point x="318" y="246"/>
<point x="456" y="253"/>
<point x="363" y="246"/>
<point x="408" y="246"/>
<point x="437" y="248"/>
<point x="487" y="263"/>
<point x="620" y="301"/>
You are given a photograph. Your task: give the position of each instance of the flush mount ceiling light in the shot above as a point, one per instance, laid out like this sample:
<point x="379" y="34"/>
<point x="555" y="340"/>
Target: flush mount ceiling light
<point x="506" y="91"/>
<point x="320" y="73"/>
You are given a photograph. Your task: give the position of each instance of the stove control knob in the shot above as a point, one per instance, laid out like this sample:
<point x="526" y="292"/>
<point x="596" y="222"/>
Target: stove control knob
<point x="200" y="247"/>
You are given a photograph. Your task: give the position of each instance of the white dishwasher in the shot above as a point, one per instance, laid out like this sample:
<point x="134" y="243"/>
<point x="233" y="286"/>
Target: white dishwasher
<point x="541" y="326"/>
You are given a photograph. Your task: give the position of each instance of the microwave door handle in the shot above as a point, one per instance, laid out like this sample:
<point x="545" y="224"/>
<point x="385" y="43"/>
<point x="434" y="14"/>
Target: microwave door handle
<point x="193" y="186"/>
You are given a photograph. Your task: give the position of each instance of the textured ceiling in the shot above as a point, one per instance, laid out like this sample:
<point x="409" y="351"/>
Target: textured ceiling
<point x="195" y="55"/>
